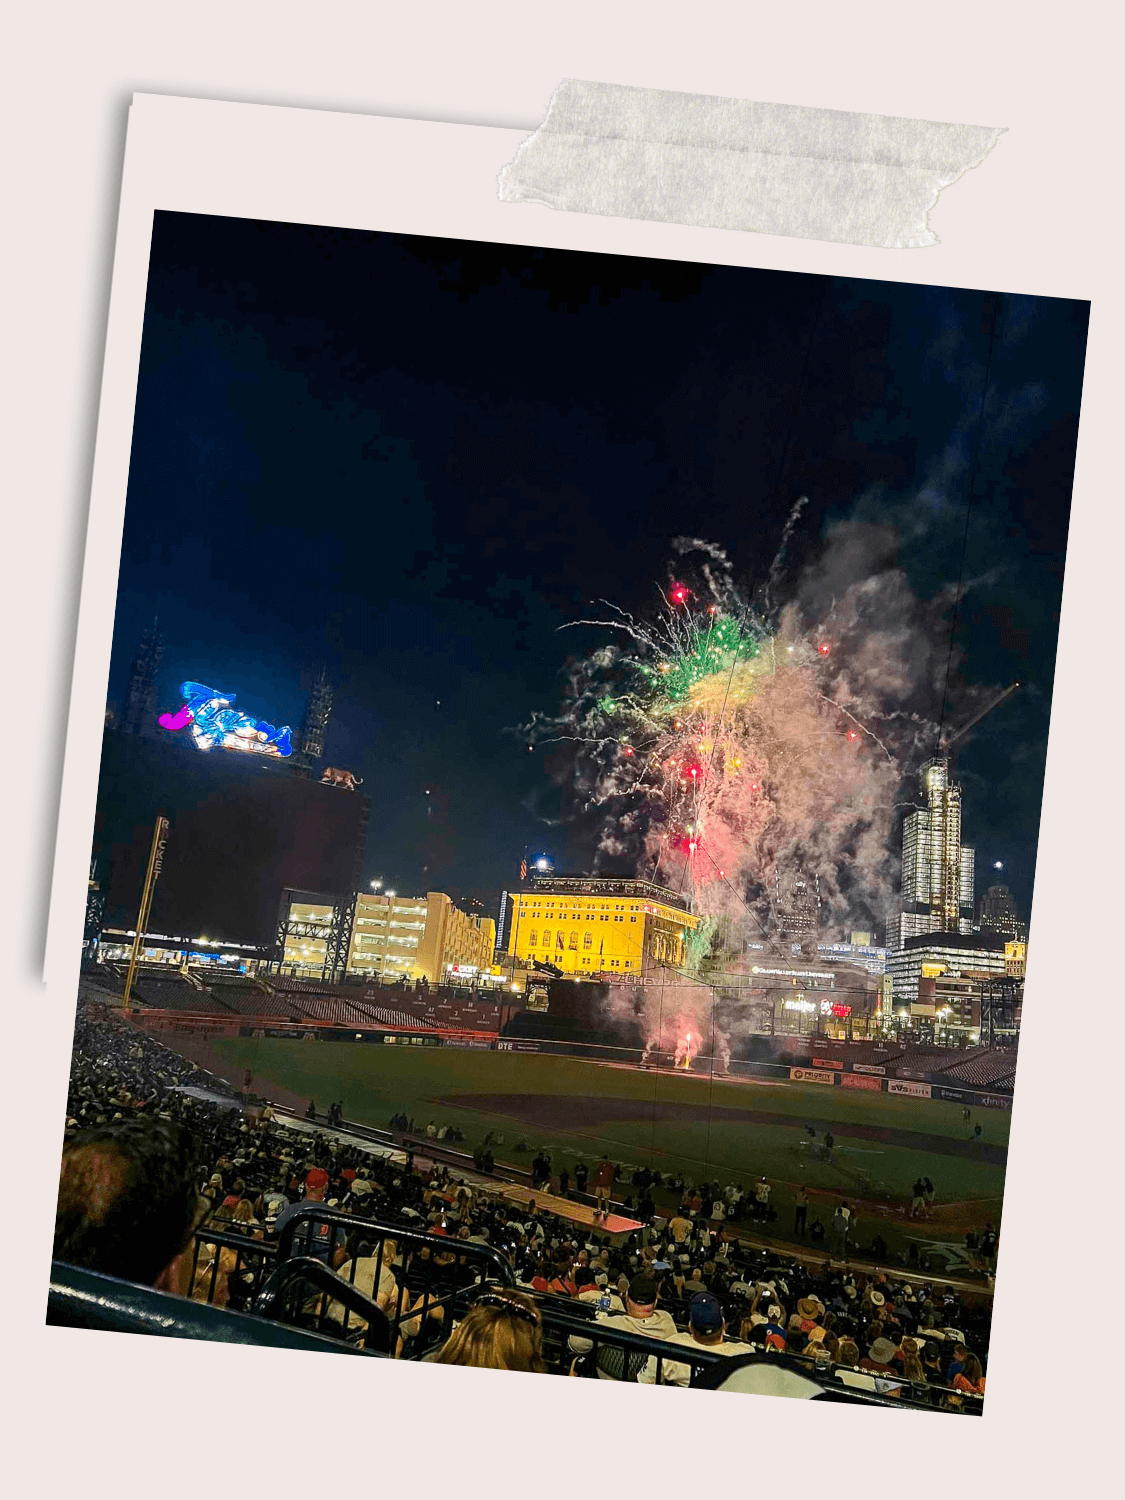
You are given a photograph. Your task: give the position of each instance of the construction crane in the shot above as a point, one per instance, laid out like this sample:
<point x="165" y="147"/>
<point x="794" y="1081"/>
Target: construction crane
<point x="947" y="740"/>
<point x="943" y="798"/>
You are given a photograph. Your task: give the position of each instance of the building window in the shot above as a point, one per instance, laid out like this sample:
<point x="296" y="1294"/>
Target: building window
<point x="619" y="919"/>
<point x="587" y="940"/>
<point x="533" y="940"/>
<point x="573" y="941"/>
<point x="632" y="919"/>
<point x="628" y="963"/>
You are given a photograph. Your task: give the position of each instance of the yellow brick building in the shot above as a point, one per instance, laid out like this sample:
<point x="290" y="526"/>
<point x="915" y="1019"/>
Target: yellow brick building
<point x="591" y="925"/>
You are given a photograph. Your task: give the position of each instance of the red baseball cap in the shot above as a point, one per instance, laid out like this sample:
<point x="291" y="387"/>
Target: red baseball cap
<point x="317" y="1178"/>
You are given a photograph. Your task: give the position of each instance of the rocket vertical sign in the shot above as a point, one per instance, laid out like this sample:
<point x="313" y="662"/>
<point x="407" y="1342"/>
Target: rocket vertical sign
<point x="155" y="862"/>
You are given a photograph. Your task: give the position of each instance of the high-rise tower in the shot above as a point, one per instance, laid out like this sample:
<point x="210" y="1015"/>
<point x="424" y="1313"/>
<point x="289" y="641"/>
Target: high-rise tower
<point x="798" y="910"/>
<point x="139" y="716"/>
<point x="938" y="871"/>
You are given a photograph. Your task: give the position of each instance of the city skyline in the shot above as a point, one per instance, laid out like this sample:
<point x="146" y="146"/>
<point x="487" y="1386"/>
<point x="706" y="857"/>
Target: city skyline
<point x="428" y="487"/>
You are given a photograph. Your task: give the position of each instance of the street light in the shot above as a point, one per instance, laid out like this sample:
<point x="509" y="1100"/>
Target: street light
<point x="375" y="884"/>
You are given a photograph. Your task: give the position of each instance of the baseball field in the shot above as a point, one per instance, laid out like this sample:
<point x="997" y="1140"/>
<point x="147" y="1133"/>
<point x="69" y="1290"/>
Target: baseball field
<point x="703" y="1128"/>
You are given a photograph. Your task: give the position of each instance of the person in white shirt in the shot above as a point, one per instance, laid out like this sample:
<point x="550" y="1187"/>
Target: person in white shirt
<point x="706" y="1330"/>
<point x="641" y="1315"/>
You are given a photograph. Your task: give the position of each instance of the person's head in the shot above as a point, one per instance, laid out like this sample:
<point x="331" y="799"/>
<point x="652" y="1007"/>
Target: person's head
<point x="501" y="1331"/>
<point x="316" y="1185"/>
<point x="705" y="1319"/>
<point x="129" y="1203"/>
<point x="971" y="1369"/>
<point x="848" y="1353"/>
<point x="244" y="1212"/>
<point x="912" y="1367"/>
<point x="641" y="1297"/>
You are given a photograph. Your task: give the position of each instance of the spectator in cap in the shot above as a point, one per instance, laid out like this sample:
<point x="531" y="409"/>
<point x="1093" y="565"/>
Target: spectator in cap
<point x="323" y="1241"/>
<point x="641" y="1315"/>
<point x="706" y="1330"/>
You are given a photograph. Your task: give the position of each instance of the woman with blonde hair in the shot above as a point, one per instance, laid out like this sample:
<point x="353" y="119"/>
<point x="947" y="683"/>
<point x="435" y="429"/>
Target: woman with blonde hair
<point x="501" y="1331"/>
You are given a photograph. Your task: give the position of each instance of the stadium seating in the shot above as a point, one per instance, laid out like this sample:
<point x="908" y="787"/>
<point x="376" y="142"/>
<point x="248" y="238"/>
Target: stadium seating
<point x="986" y="1069"/>
<point x="416" y="1225"/>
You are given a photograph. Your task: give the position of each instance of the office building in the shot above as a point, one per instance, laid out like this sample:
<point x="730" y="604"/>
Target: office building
<point x="797" y="909"/>
<point x="938" y="871"/>
<point x="996" y="912"/>
<point x="589" y="925"/>
<point x="930" y="955"/>
<point x="418" y="937"/>
<point x="454" y="944"/>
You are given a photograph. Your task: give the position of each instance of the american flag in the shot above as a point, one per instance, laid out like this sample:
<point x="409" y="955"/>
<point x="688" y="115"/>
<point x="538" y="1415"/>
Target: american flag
<point x="523" y="869"/>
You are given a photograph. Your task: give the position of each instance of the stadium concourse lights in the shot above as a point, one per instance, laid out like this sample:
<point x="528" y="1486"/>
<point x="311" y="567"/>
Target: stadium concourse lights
<point x="375" y="884"/>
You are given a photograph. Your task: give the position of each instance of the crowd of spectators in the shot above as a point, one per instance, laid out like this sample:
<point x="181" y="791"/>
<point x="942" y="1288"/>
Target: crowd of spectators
<point x="146" y="1165"/>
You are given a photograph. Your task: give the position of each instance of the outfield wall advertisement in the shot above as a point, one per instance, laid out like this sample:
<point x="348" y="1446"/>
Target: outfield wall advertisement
<point x="812" y="1075"/>
<point x="915" y="1090"/>
<point x="858" y="1081"/>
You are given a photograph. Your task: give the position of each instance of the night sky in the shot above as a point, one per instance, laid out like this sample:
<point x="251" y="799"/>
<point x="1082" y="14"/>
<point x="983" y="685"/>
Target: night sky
<point x="414" y="460"/>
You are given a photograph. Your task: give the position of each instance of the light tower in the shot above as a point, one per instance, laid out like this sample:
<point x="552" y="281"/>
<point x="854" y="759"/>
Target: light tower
<point x="315" y="727"/>
<point x="140" y="698"/>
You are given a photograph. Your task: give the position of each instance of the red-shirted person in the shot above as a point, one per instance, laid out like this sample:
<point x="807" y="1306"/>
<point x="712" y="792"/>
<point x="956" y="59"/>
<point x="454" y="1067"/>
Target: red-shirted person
<point x="605" y="1173"/>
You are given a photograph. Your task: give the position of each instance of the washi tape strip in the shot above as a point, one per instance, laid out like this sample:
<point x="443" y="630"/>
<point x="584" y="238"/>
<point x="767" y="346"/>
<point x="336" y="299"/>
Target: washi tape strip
<point x="820" y="174"/>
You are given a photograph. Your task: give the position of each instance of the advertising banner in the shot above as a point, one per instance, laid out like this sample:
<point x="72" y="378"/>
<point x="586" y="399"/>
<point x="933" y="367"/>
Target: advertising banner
<point x="947" y="1093"/>
<point x="867" y="1068"/>
<point x="811" y="1075"/>
<point x="910" y="1073"/>
<point x="915" y="1090"/>
<point x="859" y="1081"/>
<point x="473" y="1043"/>
<point x="513" y="1046"/>
<point x="994" y="1101"/>
<point x="828" y="1062"/>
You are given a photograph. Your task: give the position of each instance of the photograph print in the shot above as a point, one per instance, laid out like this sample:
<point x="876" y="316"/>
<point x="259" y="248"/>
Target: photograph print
<point x="560" y="891"/>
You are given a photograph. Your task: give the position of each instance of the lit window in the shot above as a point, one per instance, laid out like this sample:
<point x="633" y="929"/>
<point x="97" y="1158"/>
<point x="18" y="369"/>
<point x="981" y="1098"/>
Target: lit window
<point x="533" y="940"/>
<point x="573" y="940"/>
<point x="587" y="940"/>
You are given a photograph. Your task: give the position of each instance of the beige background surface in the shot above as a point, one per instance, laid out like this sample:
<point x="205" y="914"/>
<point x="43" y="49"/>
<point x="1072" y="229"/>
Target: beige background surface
<point x="1042" y="215"/>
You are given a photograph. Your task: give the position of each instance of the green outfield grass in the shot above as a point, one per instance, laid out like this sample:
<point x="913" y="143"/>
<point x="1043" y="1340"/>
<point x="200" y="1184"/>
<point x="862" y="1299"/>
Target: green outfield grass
<point x="574" y="1108"/>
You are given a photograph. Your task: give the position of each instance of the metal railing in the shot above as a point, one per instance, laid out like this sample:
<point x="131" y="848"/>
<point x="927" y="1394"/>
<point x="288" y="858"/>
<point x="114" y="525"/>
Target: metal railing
<point x="285" y="1298"/>
<point x="86" y="1299"/>
<point x="228" y="1266"/>
<point x="433" y="1275"/>
<point x="612" y="1353"/>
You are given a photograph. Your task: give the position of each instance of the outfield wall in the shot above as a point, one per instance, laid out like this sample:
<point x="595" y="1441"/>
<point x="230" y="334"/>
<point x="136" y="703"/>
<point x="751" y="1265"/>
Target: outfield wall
<point x="621" y="1056"/>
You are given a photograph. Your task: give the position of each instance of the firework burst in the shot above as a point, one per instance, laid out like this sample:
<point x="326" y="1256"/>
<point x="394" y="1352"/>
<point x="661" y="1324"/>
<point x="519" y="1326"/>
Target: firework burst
<point x="717" y="742"/>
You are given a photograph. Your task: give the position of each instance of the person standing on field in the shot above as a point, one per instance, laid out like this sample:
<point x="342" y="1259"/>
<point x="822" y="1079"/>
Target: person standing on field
<point x="604" y="1176"/>
<point x="800" y="1211"/>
